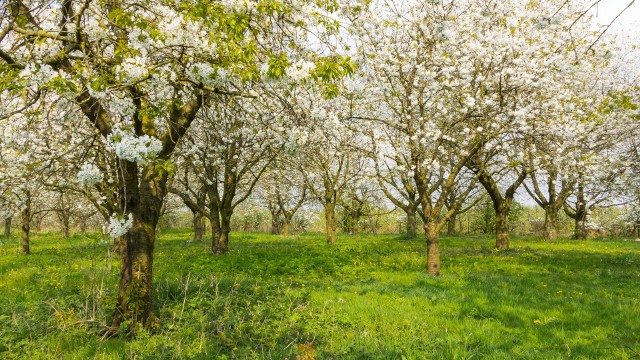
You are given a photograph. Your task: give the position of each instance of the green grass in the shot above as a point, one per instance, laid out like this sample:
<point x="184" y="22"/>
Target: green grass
<point x="363" y="298"/>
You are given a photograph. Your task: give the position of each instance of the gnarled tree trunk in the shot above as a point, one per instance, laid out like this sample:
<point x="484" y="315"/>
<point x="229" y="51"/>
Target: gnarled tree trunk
<point x="135" y="299"/>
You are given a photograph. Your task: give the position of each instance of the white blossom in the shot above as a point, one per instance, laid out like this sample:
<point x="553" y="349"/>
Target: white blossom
<point x="119" y="226"/>
<point x="138" y="149"/>
<point x="89" y="174"/>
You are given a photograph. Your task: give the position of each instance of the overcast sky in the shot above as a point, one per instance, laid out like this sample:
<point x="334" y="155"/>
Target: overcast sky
<point x="628" y="22"/>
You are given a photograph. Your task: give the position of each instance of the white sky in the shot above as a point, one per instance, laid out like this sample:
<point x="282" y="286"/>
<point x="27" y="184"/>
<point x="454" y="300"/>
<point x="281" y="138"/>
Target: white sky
<point x="627" y="24"/>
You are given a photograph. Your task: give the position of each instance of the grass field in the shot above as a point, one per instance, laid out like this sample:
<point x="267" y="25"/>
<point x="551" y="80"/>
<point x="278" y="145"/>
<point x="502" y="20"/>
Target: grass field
<point x="364" y="298"/>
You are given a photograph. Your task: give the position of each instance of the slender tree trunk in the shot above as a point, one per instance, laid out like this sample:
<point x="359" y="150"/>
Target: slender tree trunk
<point x="7" y="227"/>
<point x="502" y="228"/>
<point x="330" y="218"/>
<point x="216" y="230"/>
<point x="550" y="222"/>
<point x="411" y="223"/>
<point x="451" y="226"/>
<point x="198" y="226"/>
<point x="26" y="224"/>
<point x="433" y="247"/>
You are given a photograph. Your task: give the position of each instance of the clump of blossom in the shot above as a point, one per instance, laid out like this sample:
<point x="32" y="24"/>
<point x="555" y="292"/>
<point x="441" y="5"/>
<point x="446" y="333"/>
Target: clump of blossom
<point x="300" y="70"/>
<point x="89" y="174"/>
<point x="119" y="226"/>
<point x="138" y="149"/>
<point x="208" y="75"/>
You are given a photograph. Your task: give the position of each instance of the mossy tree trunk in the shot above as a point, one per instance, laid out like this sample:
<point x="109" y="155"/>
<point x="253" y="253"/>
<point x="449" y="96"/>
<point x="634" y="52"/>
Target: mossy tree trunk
<point x="143" y="200"/>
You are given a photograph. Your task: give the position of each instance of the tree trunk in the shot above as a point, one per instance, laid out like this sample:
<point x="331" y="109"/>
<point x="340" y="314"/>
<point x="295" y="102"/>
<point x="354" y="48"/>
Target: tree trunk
<point x="214" y="219"/>
<point x="433" y="247"/>
<point x="580" y="231"/>
<point x="7" y="227"/>
<point x="135" y="300"/>
<point x="143" y="198"/>
<point x="26" y="224"/>
<point x="550" y="222"/>
<point x="502" y="228"/>
<point x="373" y="224"/>
<point x="411" y="223"/>
<point x="221" y="245"/>
<point x="65" y="225"/>
<point x="330" y="218"/>
<point x="286" y="227"/>
<point x="198" y="226"/>
<point x="451" y="226"/>
<point x="275" y="222"/>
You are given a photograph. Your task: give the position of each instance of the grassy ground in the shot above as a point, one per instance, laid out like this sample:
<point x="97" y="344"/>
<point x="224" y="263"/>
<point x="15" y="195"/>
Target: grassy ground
<point x="364" y="298"/>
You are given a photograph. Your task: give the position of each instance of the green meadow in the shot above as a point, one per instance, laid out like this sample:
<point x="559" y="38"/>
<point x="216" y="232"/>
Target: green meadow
<point x="367" y="297"/>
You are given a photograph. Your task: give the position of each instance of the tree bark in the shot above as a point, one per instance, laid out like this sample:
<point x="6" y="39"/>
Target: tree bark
<point x="221" y="242"/>
<point x="198" y="226"/>
<point x="550" y="222"/>
<point x="580" y="230"/>
<point x="135" y="299"/>
<point x="502" y="227"/>
<point x="26" y="224"/>
<point x="433" y="247"/>
<point x="275" y="222"/>
<point x="330" y="218"/>
<point x="65" y="225"/>
<point x="7" y="227"/>
<point x="411" y="224"/>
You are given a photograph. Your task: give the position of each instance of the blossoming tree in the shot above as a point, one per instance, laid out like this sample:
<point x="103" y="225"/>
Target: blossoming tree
<point x="139" y="73"/>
